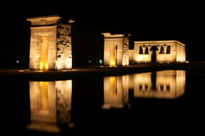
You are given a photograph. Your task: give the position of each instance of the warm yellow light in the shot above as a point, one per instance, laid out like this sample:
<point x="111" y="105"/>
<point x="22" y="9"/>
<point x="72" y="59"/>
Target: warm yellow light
<point x="69" y="63"/>
<point x="41" y="66"/>
<point x="44" y="53"/>
<point x="113" y="85"/>
<point x="112" y="93"/>
<point x="139" y="58"/>
<point x="44" y="96"/>
<point x="176" y="52"/>
<point x="169" y="84"/>
<point x="46" y="100"/>
<point x="112" y="56"/>
<point x="112" y="63"/>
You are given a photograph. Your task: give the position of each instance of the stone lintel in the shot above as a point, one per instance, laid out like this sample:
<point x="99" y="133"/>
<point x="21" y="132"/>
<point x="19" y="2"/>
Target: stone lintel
<point x="159" y="42"/>
<point x="43" y="20"/>
<point x="109" y="35"/>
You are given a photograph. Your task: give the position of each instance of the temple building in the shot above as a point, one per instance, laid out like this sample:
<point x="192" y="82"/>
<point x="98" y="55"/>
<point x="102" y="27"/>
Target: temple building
<point x="157" y="51"/>
<point x="50" y="43"/>
<point x="50" y="105"/>
<point x="116" y="49"/>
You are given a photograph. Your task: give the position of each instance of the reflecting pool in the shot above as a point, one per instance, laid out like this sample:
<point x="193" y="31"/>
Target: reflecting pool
<point x="50" y="105"/>
<point x="160" y="85"/>
<point x="112" y="104"/>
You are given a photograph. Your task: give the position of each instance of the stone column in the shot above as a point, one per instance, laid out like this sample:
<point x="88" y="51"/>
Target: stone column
<point x="64" y="45"/>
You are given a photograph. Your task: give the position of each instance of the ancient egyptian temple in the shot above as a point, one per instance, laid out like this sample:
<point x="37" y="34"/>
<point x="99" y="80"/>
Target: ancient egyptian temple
<point x="51" y="47"/>
<point x="117" y="52"/>
<point x="158" y="51"/>
<point x="50" y="43"/>
<point x="116" y="49"/>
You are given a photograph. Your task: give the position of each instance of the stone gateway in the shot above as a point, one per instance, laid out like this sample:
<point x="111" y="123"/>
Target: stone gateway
<point x="116" y="49"/>
<point x="50" y="43"/>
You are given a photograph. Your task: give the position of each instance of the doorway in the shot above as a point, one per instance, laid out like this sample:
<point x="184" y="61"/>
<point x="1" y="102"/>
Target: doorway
<point x="154" y="56"/>
<point x="113" y="56"/>
<point x="44" y="53"/>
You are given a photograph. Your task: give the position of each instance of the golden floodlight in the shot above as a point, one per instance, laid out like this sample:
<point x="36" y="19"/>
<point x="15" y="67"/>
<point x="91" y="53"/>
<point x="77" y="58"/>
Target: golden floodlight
<point x="113" y="53"/>
<point x="44" y="53"/>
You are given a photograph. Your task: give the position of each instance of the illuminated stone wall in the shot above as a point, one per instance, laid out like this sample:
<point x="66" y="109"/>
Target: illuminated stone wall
<point x="166" y="51"/>
<point x="64" y="48"/>
<point x="50" y="105"/>
<point x="50" y="43"/>
<point x="181" y="53"/>
<point x="116" y="49"/>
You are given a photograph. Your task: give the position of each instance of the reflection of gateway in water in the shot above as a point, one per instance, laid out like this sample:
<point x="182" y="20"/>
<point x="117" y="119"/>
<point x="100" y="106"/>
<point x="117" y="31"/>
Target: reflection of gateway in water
<point x="50" y="105"/>
<point x="168" y="84"/>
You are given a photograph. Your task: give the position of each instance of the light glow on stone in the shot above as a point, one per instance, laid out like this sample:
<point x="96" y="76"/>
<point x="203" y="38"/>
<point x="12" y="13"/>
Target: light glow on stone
<point x="69" y="63"/>
<point x="112" y="56"/>
<point x="44" y="53"/>
<point x="50" y="43"/>
<point x="116" y="49"/>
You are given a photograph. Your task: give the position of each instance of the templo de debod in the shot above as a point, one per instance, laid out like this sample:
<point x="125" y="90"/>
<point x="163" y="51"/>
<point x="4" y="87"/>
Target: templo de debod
<point x="50" y="43"/>
<point x="158" y="51"/>
<point x="51" y="47"/>
<point x="117" y="52"/>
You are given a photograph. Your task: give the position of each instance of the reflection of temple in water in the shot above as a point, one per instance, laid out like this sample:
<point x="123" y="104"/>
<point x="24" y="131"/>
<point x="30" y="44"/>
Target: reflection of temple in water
<point x="115" y="91"/>
<point x="50" y="105"/>
<point x="168" y="84"/>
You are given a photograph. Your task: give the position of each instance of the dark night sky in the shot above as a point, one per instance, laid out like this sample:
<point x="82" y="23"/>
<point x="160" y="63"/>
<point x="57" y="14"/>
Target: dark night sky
<point x="144" y="20"/>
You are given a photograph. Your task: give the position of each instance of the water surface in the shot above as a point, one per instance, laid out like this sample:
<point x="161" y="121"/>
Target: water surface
<point x="154" y="101"/>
